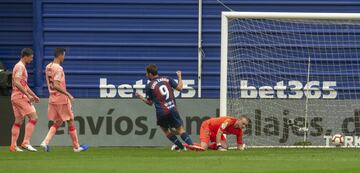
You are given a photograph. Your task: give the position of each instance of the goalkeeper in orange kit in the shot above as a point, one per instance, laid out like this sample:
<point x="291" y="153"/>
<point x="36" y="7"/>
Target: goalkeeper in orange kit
<point x="212" y="132"/>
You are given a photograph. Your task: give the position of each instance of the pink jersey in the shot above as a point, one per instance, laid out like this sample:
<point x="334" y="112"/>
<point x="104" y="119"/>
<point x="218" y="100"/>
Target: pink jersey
<point x="54" y="72"/>
<point x="19" y="72"/>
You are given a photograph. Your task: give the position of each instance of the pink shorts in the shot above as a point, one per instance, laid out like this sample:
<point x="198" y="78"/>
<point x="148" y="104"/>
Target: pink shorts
<point x="61" y="112"/>
<point x="22" y="107"/>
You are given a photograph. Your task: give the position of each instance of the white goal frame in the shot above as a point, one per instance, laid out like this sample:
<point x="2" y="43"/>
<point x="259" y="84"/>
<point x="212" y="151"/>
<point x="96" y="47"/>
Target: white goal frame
<point x="225" y="16"/>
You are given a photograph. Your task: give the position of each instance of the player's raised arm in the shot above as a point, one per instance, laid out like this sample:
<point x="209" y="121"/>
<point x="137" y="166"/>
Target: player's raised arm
<point x="148" y="102"/>
<point x="180" y="84"/>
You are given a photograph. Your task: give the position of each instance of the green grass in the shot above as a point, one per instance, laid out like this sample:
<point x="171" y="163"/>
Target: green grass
<point x="158" y="160"/>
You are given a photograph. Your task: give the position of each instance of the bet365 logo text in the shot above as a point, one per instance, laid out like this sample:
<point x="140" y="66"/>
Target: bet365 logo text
<point x="293" y="89"/>
<point x="108" y="90"/>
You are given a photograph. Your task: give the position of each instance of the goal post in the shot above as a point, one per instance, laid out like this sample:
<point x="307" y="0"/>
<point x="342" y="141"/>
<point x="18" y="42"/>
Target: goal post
<point x="296" y="75"/>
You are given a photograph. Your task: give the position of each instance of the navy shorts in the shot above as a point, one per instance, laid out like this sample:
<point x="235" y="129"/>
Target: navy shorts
<point x="170" y="120"/>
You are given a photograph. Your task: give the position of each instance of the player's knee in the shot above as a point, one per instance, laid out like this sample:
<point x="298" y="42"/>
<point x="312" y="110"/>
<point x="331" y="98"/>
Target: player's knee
<point x="70" y="122"/>
<point x="167" y="132"/>
<point x="58" y="123"/>
<point x="180" y="130"/>
<point x="33" y="116"/>
<point x="19" y="120"/>
<point x="33" y="121"/>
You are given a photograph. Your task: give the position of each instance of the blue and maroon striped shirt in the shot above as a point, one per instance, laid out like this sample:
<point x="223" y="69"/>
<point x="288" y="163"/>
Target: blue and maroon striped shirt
<point x="161" y="92"/>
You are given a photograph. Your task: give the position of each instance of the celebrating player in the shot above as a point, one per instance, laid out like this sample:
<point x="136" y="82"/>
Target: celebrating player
<point x="22" y="99"/>
<point x="160" y="92"/>
<point x="60" y="102"/>
<point x="213" y="130"/>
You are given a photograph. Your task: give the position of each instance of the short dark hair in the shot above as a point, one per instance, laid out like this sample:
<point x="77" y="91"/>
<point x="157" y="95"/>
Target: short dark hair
<point x="152" y="69"/>
<point x="27" y="52"/>
<point x="59" y="51"/>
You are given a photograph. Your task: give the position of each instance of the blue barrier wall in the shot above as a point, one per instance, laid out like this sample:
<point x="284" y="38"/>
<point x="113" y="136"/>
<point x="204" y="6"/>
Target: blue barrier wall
<point x="116" y="39"/>
<point x="16" y="26"/>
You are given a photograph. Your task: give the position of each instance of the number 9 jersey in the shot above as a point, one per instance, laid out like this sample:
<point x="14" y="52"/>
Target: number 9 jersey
<point x="161" y="92"/>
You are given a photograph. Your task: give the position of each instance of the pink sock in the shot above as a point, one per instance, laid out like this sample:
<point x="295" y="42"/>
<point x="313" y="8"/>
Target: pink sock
<point x="51" y="133"/>
<point x="15" y="130"/>
<point x="73" y="136"/>
<point x="30" y="127"/>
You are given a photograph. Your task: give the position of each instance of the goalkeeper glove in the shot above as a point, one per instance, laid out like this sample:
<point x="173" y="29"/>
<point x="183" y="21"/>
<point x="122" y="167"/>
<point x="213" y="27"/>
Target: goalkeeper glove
<point x="242" y="147"/>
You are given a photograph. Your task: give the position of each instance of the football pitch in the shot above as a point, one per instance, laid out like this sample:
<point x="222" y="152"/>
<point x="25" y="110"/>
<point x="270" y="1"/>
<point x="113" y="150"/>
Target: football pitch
<point x="157" y="160"/>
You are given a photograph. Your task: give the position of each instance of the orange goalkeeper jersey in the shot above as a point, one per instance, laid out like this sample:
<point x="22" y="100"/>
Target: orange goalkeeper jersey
<point x="226" y="125"/>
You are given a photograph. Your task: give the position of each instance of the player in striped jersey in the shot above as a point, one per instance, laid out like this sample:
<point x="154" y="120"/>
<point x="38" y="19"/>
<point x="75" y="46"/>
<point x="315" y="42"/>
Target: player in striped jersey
<point x="159" y="91"/>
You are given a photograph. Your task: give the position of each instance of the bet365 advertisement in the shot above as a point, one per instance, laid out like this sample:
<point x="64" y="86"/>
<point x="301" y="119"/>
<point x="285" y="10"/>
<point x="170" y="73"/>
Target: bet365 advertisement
<point x="122" y="122"/>
<point x="130" y="122"/>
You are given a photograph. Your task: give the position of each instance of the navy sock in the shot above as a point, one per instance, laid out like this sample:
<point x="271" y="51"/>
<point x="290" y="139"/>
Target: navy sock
<point x="186" y="138"/>
<point x="175" y="140"/>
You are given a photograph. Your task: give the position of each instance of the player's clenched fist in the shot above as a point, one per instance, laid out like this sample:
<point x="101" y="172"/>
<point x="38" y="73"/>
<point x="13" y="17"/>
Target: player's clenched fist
<point x="178" y="73"/>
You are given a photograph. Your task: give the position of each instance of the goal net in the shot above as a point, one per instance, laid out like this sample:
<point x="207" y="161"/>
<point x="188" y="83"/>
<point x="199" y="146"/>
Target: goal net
<point x="295" y="75"/>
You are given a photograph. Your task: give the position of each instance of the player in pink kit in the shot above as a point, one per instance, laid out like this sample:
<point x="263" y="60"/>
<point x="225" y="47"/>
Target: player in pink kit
<point x="22" y="99"/>
<point x="60" y="102"/>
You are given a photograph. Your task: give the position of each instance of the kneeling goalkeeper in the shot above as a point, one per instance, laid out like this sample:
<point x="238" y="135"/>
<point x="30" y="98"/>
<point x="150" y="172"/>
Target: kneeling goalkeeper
<point x="212" y="132"/>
